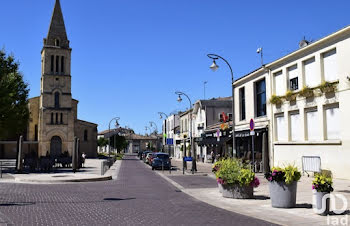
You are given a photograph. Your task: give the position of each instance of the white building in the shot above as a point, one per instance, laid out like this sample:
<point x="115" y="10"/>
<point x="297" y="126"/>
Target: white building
<point x="171" y="128"/>
<point x="308" y="121"/>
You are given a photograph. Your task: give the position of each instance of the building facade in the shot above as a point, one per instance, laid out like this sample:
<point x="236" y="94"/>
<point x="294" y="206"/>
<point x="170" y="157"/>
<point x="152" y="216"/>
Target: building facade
<point x="313" y="121"/>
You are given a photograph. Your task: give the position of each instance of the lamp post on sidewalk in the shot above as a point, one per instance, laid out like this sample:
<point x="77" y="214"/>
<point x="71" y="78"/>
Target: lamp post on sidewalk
<point x="179" y="99"/>
<point x="214" y="67"/>
<point x="164" y="136"/>
<point x="109" y="133"/>
<point x="155" y="126"/>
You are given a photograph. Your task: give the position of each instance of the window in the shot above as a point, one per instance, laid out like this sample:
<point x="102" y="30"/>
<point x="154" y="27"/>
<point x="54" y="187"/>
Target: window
<point x="332" y="123"/>
<point x="312" y="122"/>
<point x="330" y="65"/>
<point x="242" y="104"/>
<point x="57" y="42"/>
<point x="85" y="135"/>
<point x="57" y="100"/>
<point x="260" y="90"/>
<point x="62" y="64"/>
<point x="51" y="118"/>
<point x="57" y="62"/>
<point x="279" y="87"/>
<point x="281" y="129"/>
<point x="293" y="77"/>
<point x="52" y="62"/>
<point x="295" y="127"/>
<point x="311" y="77"/>
<point x="56" y="118"/>
<point x="36" y="133"/>
<point x="61" y="118"/>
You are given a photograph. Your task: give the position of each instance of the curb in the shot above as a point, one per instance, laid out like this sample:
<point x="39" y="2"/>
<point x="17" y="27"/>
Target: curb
<point x="21" y="180"/>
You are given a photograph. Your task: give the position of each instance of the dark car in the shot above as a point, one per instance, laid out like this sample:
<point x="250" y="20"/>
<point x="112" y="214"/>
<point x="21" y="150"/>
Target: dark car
<point x="161" y="160"/>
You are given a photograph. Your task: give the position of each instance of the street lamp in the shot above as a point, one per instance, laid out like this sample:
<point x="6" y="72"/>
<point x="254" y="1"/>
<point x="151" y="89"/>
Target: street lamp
<point x="155" y="126"/>
<point x="109" y="132"/>
<point x="166" y="117"/>
<point x="179" y="99"/>
<point x="214" y="67"/>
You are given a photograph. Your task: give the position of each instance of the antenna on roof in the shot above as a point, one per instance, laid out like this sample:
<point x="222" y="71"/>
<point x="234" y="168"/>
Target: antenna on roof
<point x="204" y="83"/>
<point x="260" y="51"/>
<point x="303" y="43"/>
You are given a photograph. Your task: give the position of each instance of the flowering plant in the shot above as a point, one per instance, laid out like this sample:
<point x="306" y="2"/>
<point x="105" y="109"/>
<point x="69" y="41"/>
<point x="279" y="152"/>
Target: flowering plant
<point x="216" y="166"/>
<point x="322" y="183"/>
<point x="288" y="174"/>
<point x="233" y="172"/>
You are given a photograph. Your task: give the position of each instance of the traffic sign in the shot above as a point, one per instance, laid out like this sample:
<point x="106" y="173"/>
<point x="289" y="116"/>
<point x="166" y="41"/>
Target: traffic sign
<point x="187" y="159"/>
<point x="251" y="124"/>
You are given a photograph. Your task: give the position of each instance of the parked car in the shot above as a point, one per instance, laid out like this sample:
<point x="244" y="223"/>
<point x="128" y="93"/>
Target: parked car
<point x="144" y="155"/>
<point x="147" y="160"/>
<point x="151" y="157"/>
<point x="161" y="160"/>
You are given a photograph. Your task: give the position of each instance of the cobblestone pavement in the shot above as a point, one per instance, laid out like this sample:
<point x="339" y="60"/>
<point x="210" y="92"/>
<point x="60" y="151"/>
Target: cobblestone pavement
<point x="138" y="197"/>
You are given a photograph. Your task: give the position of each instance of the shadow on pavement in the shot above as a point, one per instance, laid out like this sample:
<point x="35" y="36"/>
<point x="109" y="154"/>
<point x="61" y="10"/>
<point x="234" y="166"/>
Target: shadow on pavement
<point x="304" y="205"/>
<point x="17" y="204"/>
<point x="261" y="197"/>
<point x="117" y="199"/>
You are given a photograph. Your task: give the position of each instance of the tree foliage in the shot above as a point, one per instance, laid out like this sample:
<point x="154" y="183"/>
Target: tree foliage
<point x="14" y="113"/>
<point x="101" y="142"/>
<point x="118" y="142"/>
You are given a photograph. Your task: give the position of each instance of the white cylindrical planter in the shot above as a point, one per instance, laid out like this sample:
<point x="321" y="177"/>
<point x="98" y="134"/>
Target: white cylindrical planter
<point x="322" y="208"/>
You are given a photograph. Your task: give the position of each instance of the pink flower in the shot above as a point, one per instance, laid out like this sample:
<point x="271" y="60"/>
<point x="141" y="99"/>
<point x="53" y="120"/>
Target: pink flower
<point x="269" y="179"/>
<point x="255" y="183"/>
<point x="273" y="174"/>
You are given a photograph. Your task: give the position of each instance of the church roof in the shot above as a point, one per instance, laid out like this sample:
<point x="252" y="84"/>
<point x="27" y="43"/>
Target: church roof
<point x="57" y="30"/>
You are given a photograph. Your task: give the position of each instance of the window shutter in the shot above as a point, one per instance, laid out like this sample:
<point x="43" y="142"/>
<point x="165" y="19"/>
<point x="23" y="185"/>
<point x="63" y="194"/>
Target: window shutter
<point x="281" y="128"/>
<point x="311" y="77"/>
<point x="279" y="87"/>
<point x="330" y="65"/>
<point x="295" y="127"/>
<point x="313" y="130"/>
<point x="333" y="123"/>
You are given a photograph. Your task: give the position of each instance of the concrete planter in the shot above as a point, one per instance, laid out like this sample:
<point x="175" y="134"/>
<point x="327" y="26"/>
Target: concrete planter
<point x="317" y="203"/>
<point x="283" y="195"/>
<point x="237" y="191"/>
<point x="220" y="187"/>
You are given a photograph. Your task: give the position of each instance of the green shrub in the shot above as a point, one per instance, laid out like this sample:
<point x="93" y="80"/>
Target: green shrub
<point x="275" y="99"/>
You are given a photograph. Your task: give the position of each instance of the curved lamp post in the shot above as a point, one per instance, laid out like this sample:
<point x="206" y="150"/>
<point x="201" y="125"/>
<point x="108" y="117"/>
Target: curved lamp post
<point x="109" y="132"/>
<point x="179" y="99"/>
<point x="155" y="126"/>
<point x="161" y="117"/>
<point x="214" y="67"/>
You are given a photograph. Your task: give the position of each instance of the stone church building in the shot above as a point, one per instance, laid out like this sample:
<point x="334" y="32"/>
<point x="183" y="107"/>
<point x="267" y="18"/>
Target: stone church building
<point x="53" y="115"/>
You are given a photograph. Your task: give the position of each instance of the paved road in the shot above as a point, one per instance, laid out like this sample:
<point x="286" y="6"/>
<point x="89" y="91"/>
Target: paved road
<point x="138" y="197"/>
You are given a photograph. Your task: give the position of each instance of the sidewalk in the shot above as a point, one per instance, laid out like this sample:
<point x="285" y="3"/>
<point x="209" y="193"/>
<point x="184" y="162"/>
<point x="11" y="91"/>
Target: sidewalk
<point x="204" y="188"/>
<point x="90" y="172"/>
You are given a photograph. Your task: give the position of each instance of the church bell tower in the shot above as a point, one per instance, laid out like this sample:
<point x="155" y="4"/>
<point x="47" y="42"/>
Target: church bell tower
<point x="56" y="127"/>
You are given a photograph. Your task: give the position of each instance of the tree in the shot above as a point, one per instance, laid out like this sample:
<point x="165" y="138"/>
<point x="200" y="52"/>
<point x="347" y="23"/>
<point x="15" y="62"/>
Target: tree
<point x="101" y="142"/>
<point x="14" y="113"/>
<point x="120" y="142"/>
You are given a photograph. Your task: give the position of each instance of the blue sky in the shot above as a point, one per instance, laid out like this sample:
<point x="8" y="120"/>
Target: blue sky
<point x="129" y="57"/>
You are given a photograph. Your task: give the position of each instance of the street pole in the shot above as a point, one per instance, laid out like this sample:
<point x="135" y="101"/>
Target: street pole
<point x="109" y="133"/>
<point x="165" y="127"/>
<point x="194" y="165"/>
<point x="214" y="67"/>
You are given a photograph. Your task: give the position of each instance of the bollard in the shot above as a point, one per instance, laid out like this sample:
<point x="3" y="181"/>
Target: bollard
<point x="162" y="166"/>
<point x="102" y="168"/>
<point x="1" y="168"/>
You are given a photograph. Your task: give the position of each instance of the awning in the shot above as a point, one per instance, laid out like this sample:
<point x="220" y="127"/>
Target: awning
<point x="213" y="141"/>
